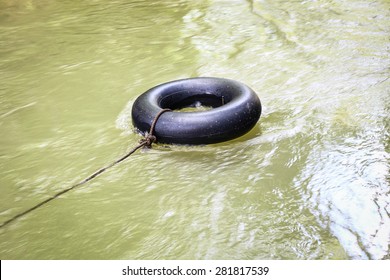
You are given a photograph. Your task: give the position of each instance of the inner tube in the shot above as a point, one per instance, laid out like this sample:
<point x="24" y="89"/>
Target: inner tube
<point x="235" y="110"/>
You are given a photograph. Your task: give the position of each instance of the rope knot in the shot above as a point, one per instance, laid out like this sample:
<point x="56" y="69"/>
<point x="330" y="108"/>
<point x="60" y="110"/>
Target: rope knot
<point x="148" y="140"/>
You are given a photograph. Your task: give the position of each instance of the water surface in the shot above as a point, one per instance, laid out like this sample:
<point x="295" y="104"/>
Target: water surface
<point x="310" y="181"/>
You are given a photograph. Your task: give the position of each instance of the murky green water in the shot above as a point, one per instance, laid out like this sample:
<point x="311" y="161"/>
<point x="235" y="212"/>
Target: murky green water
<point x="311" y="181"/>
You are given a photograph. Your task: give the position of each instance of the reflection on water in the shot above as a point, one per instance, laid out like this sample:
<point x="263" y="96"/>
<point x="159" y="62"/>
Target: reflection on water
<point x="310" y="181"/>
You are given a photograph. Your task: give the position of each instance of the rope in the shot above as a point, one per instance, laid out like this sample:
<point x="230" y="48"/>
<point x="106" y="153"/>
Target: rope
<point x="147" y="142"/>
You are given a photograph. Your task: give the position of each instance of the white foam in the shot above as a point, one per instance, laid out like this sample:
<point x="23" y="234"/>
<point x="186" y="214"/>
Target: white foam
<point x="123" y="121"/>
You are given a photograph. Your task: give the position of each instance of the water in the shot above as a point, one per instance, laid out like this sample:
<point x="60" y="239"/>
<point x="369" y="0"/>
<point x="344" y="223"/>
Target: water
<point x="310" y="181"/>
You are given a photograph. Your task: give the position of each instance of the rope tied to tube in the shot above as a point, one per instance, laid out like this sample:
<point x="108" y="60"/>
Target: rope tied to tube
<point x="147" y="142"/>
<point x="149" y="138"/>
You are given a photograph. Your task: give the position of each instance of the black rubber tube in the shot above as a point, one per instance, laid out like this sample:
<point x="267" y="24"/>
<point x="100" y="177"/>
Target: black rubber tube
<point x="235" y="110"/>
